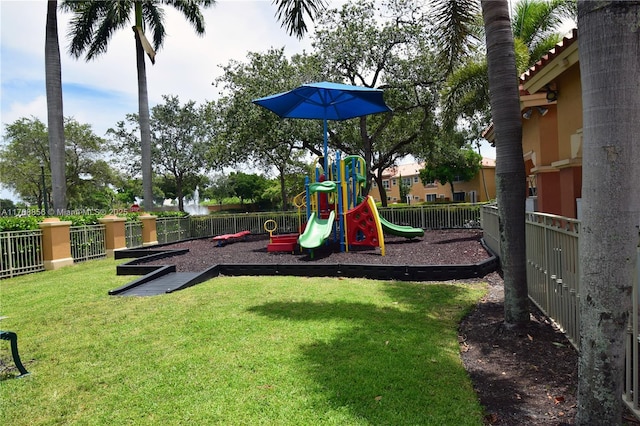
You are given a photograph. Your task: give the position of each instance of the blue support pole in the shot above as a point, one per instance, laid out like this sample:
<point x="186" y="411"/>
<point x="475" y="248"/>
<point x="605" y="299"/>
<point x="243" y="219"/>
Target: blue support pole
<point x="306" y="188"/>
<point x="340" y="204"/>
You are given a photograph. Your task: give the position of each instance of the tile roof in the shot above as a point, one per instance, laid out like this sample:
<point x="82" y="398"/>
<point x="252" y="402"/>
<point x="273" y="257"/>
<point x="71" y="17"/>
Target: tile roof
<point x="550" y="56"/>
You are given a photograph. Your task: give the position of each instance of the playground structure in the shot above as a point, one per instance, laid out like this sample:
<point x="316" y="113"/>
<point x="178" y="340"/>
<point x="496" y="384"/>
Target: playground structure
<point x="337" y="211"/>
<point x="283" y="242"/>
<point x="334" y="205"/>
<point x="286" y="242"/>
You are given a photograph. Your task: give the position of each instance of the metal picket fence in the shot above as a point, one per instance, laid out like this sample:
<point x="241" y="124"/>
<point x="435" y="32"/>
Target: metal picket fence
<point x="632" y="377"/>
<point x="87" y="242"/>
<point x="172" y="229"/>
<point x="424" y="216"/>
<point x="553" y="272"/>
<point x="436" y="216"/>
<point x="20" y="253"/>
<point x="553" y="277"/>
<point x="207" y="226"/>
<point x="133" y="233"/>
<point x="552" y="264"/>
<point x="490" y="227"/>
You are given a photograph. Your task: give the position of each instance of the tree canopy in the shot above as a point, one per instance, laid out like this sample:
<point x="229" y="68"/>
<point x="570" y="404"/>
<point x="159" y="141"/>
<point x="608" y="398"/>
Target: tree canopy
<point x="181" y="135"/>
<point x="26" y="152"/>
<point x="248" y="133"/>
<point x="390" y="47"/>
<point x="454" y="165"/>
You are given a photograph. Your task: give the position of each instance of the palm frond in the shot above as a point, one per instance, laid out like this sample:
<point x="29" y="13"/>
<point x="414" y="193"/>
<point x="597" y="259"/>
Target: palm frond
<point x="93" y="24"/>
<point x="535" y="20"/>
<point x="153" y="18"/>
<point x="456" y="22"/>
<point x="291" y="14"/>
<point x="190" y="9"/>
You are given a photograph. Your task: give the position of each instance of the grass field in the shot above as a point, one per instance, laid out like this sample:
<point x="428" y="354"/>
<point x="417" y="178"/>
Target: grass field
<point x="235" y="351"/>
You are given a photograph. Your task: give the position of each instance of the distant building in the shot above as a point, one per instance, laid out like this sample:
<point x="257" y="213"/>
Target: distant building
<point x="481" y="188"/>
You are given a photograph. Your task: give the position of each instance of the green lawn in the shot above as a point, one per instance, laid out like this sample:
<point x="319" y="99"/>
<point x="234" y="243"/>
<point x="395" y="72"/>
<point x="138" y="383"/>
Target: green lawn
<point x="235" y="351"/>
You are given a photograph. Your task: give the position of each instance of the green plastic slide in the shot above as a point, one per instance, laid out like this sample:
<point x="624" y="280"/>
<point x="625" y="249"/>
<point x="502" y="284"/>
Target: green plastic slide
<point x="317" y="231"/>
<point x="400" y="230"/>
<point x="326" y="186"/>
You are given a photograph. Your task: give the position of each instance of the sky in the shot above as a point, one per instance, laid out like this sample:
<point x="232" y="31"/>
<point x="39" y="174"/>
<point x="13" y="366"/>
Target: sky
<point x="103" y="91"/>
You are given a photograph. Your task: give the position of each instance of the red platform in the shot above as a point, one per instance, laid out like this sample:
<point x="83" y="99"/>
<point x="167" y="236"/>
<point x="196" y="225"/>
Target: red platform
<point x="285" y="242"/>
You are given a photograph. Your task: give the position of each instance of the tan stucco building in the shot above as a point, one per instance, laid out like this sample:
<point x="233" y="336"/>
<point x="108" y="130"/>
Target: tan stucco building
<point x="481" y="188"/>
<point x="551" y="105"/>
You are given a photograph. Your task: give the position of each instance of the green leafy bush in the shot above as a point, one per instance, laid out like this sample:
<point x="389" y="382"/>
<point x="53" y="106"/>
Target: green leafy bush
<point x="19" y="223"/>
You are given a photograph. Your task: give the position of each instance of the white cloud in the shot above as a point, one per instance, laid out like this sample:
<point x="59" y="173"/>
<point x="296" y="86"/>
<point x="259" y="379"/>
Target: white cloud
<point x="36" y="107"/>
<point x="186" y="65"/>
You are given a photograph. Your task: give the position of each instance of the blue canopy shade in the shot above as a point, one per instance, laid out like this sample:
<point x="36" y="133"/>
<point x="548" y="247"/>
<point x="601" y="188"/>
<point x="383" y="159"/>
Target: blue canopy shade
<point x="325" y="101"/>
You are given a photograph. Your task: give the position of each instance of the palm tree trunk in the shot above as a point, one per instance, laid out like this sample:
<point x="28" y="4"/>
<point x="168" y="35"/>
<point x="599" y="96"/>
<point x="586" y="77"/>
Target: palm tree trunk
<point x="609" y="45"/>
<point x="55" y="117"/>
<point x="145" y="127"/>
<point x="510" y="172"/>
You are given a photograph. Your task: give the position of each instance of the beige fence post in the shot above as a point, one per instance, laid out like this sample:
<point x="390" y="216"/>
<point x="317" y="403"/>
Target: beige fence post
<point x="149" y="232"/>
<point x="114" y="238"/>
<point x="56" y="243"/>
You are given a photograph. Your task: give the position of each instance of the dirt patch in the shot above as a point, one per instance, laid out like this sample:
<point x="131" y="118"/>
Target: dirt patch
<point x="526" y="376"/>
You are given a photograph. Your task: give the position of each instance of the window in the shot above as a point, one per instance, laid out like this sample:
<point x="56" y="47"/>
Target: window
<point x="459" y="196"/>
<point x="430" y="197"/>
<point x="416" y="179"/>
<point x="385" y="184"/>
<point x="394" y="182"/>
<point x="416" y="198"/>
<point x="406" y="181"/>
<point x="374" y="184"/>
<point x="457" y="179"/>
<point x="431" y="184"/>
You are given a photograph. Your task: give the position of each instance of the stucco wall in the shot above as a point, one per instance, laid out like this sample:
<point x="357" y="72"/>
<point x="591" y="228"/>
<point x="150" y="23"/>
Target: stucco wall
<point x="569" y="108"/>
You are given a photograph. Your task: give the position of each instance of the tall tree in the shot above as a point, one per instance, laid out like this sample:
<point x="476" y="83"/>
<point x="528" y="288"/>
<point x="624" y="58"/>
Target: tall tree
<point x="609" y="44"/>
<point x="510" y="172"/>
<point x="388" y="47"/>
<point x="535" y="25"/>
<point x="95" y="21"/>
<point x="250" y="133"/>
<point x="180" y="137"/>
<point x="505" y="112"/>
<point x="452" y="165"/>
<point x="55" y="118"/>
<point x="92" y="26"/>
<point x="26" y="150"/>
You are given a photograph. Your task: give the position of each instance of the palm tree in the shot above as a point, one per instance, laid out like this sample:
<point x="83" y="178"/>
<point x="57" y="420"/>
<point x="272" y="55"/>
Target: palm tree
<point x="94" y="23"/>
<point x="609" y="45"/>
<point x="53" y="78"/>
<point x="505" y="111"/>
<point x="510" y="48"/>
<point x="92" y="26"/>
<point x="510" y="172"/>
<point x="535" y="25"/>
